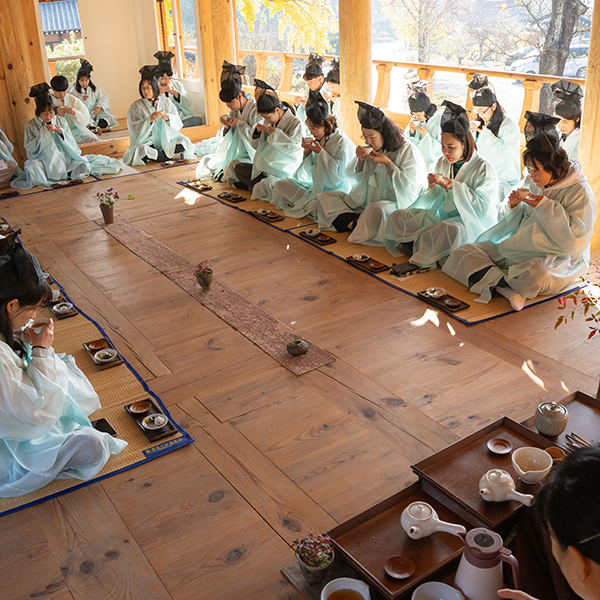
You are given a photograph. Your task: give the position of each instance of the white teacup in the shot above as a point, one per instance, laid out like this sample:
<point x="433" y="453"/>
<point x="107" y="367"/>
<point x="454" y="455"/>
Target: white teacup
<point x="523" y="192"/>
<point x="346" y="583"/>
<point x="367" y="149"/>
<point x="38" y="325"/>
<point x="531" y="464"/>
<point x="436" y="590"/>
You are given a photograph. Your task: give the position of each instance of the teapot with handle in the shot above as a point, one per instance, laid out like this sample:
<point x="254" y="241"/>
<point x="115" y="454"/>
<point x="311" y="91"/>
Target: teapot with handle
<point x="498" y="485"/>
<point x="420" y="519"/>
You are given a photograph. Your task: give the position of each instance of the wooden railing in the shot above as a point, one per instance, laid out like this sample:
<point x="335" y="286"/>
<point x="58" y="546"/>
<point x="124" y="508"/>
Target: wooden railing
<point x="532" y="84"/>
<point x="52" y="62"/>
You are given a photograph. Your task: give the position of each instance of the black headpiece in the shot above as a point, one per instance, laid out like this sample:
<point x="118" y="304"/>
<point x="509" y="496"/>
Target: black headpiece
<point x="317" y="108"/>
<point x="164" y="66"/>
<point x="314" y="66"/>
<point x="482" y="92"/>
<point x="85" y="68"/>
<point x="370" y="117"/>
<point x="569" y="97"/>
<point x="20" y="272"/>
<point x="333" y="76"/>
<point x="454" y="119"/>
<point x="41" y="94"/>
<point x="266" y="97"/>
<point x="59" y="83"/>
<point x="418" y="98"/>
<point x="230" y="73"/>
<point x="541" y="132"/>
<point x="260" y="87"/>
<point x="149" y="72"/>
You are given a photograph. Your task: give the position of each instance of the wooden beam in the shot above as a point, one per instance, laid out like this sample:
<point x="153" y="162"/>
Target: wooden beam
<point x="590" y="126"/>
<point x="355" y="61"/>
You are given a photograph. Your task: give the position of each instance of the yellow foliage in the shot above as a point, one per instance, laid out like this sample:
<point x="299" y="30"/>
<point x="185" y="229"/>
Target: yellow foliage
<point x="306" y="22"/>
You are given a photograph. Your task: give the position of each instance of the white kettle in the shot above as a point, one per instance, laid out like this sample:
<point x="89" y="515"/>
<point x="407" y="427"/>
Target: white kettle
<point x="479" y="574"/>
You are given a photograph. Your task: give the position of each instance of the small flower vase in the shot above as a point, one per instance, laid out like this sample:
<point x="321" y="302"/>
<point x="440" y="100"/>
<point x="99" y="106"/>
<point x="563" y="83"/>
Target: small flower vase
<point x="314" y="574"/>
<point x="297" y="347"/>
<point x="204" y="279"/>
<point x="108" y="212"/>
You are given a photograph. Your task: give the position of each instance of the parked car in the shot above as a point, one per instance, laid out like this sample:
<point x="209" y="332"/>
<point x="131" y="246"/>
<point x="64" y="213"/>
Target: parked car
<point x="519" y="54"/>
<point x="576" y="65"/>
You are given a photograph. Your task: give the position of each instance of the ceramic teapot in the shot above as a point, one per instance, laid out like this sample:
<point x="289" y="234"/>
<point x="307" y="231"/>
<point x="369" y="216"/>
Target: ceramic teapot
<point x="497" y="486"/>
<point x="420" y="519"/>
<point x="551" y="419"/>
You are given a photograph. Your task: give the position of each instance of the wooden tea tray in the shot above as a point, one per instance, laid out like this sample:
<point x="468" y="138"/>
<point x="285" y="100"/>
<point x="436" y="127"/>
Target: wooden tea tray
<point x="584" y="419"/>
<point x="365" y="265"/>
<point x="267" y="218"/>
<point x="316" y="240"/>
<point x="102" y="366"/>
<point x="452" y="475"/>
<point x="369" y="539"/>
<point x="440" y="302"/>
<point x="151" y="435"/>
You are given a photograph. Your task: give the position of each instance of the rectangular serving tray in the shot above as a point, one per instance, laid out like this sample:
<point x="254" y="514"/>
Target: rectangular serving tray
<point x="439" y="302"/>
<point x="453" y="473"/>
<point x="364" y="266"/>
<point x="368" y="540"/>
<point x="106" y="365"/>
<point x="265" y="218"/>
<point x="314" y="240"/>
<point x="157" y="434"/>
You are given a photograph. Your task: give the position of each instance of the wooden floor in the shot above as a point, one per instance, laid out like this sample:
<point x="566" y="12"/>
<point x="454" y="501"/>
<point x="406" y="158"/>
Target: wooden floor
<point x="275" y="455"/>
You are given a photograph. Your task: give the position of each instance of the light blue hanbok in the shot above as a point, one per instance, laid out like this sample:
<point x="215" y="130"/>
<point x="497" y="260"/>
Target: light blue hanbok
<point x="9" y="169"/>
<point x="45" y="433"/>
<point x="441" y="220"/>
<point x="571" y="144"/>
<point x="503" y="151"/>
<point x="234" y="144"/>
<point x="97" y="98"/>
<point x="78" y="121"/>
<point x="147" y="137"/>
<point x="389" y="187"/>
<point x="429" y="145"/>
<point x="54" y="157"/>
<point x="323" y="171"/>
<point x="542" y="250"/>
<point x="184" y="105"/>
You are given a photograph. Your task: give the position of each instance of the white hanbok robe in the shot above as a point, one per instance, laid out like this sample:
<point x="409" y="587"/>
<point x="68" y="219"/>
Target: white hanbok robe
<point x="97" y="98"/>
<point x="503" y="151"/>
<point x="45" y="433"/>
<point x="234" y="144"/>
<point x="147" y="137"/>
<point x="429" y="145"/>
<point x="8" y="165"/>
<point x="184" y="105"/>
<point x="323" y="171"/>
<point x="278" y="155"/>
<point x="53" y="157"/>
<point x="336" y="111"/>
<point x="571" y="144"/>
<point x="79" y="121"/>
<point x="380" y="190"/>
<point x="301" y="108"/>
<point x="441" y="220"/>
<point x="537" y="251"/>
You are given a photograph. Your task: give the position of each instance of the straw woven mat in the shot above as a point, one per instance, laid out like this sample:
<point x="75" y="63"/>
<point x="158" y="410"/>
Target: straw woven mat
<point x="116" y="387"/>
<point x="476" y="313"/>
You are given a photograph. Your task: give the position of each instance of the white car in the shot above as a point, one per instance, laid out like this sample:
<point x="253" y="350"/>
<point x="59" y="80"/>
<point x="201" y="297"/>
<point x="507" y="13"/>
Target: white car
<point x="576" y="65"/>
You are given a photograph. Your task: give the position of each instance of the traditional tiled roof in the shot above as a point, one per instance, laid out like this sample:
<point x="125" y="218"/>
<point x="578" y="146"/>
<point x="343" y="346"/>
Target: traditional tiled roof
<point x="60" y="16"/>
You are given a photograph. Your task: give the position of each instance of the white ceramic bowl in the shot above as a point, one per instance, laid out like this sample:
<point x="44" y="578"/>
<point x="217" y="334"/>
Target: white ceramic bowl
<point x="105" y="355"/>
<point x="361" y="257"/>
<point x="263" y="211"/>
<point x="531" y="464"/>
<point x="155" y="421"/>
<point x="436" y="590"/>
<point x="436" y="292"/>
<point x="62" y="307"/>
<point x="312" y="232"/>
<point x="346" y="583"/>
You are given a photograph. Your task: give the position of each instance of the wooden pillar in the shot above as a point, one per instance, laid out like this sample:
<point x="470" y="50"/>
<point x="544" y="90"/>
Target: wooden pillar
<point x="286" y="73"/>
<point x="356" y="64"/>
<point x="590" y="125"/>
<point x="217" y="23"/>
<point x="468" y="101"/>
<point x="21" y="66"/>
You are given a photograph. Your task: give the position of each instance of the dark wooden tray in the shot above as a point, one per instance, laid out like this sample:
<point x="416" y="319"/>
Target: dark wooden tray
<point x="453" y="474"/>
<point x="177" y="163"/>
<point x="158" y="434"/>
<point x="369" y="539"/>
<point x="315" y="240"/>
<point x="196" y="185"/>
<point x="266" y="218"/>
<point x="6" y="231"/>
<point x="584" y="419"/>
<point x="60" y="316"/>
<point x="233" y="200"/>
<point x="365" y="265"/>
<point x="440" y="302"/>
<point x="107" y="365"/>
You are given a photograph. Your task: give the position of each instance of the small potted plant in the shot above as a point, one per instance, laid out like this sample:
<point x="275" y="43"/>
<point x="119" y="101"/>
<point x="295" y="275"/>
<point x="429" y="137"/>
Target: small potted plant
<point x="204" y="275"/>
<point x="107" y="201"/>
<point x="297" y="347"/>
<point x="315" y="555"/>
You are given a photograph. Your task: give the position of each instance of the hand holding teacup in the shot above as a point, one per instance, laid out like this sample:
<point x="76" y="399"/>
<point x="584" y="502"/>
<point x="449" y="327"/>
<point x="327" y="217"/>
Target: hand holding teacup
<point x="379" y="157"/>
<point x="516" y="196"/>
<point x="362" y="152"/>
<point x="40" y="333"/>
<point x="300" y="100"/>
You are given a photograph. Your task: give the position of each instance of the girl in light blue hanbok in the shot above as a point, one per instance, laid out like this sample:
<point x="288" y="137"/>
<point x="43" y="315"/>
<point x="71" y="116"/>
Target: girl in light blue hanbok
<point x="568" y="110"/>
<point x="153" y="125"/>
<point x="53" y="154"/>
<point x="315" y="80"/>
<point x="174" y="90"/>
<point x="389" y="174"/>
<point x="73" y="110"/>
<point x="326" y="158"/>
<point x="45" y="400"/>
<point x="423" y="130"/>
<point x="276" y="142"/>
<point x="334" y="98"/>
<point x="541" y="245"/>
<point x="496" y="134"/>
<point x="96" y="100"/>
<point x="460" y="204"/>
<point x="236" y="129"/>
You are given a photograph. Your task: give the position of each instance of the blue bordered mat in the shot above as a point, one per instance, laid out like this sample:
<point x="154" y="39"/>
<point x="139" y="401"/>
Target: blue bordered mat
<point x="146" y="451"/>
